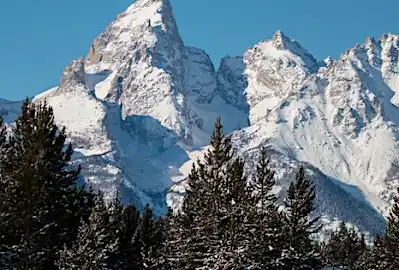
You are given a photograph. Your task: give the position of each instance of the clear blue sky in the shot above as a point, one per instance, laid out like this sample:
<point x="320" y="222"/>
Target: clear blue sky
<point x="40" y="37"/>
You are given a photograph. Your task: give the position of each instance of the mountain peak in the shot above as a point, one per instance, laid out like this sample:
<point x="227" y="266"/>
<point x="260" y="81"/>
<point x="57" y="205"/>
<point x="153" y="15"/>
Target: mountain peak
<point x="278" y="34"/>
<point x="148" y="9"/>
<point x="143" y="24"/>
<point x="281" y="46"/>
<point x="148" y="2"/>
<point x="280" y="40"/>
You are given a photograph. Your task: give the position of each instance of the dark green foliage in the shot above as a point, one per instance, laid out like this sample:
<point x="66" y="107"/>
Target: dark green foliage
<point x="263" y="182"/>
<point x="384" y="253"/>
<point x="392" y="235"/>
<point x="233" y="217"/>
<point x="129" y="246"/>
<point x="116" y="237"/>
<point x="175" y="239"/>
<point x="97" y="242"/>
<point x="265" y="222"/>
<point x="151" y="237"/>
<point x="39" y="192"/>
<point x="375" y="257"/>
<point x="298" y="250"/>
<point x="344" y="248"/>
<point x="210" y="225"/>
<point x="198" y="232"/>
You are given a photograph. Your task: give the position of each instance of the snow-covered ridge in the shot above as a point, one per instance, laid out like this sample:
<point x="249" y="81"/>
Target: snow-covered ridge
<point x="340" y="118"/>
<point x="141" y="106"/>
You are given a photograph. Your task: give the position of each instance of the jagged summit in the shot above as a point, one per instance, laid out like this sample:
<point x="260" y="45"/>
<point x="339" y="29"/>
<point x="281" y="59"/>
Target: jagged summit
<point x="284" y="45"/>
<point x="274" y="72"/>
<point x="141" y="106"/>
<point x="280" y="40"/>
<point x="148" y="21"/>
<point x="141" y="3"/>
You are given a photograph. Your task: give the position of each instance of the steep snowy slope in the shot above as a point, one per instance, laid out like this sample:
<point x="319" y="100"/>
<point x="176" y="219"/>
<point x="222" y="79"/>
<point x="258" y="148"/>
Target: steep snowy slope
<point x="138" y="103"/>
<point x="339" y="118"/>
<point x="140" y="107"/>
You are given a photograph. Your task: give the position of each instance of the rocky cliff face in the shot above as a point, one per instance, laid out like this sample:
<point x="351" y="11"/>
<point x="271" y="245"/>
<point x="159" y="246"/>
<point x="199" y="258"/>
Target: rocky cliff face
<point x="232" y="82"/>
<point x="140" y="107"/>
<point x="338" y="118"/>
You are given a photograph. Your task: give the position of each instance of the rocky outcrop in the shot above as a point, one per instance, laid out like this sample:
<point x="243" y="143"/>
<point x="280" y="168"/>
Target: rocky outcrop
<point x="232" y="82"/>
<point x="74" y="73"/>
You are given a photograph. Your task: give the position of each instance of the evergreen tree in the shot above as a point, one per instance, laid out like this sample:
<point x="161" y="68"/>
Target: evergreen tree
<point x="375" y="257"/>
<point x="96" y="242"/>
<point x="129" y="244"/>
<point x="192" y="225"/>
<point x="299" y="251"/>
<point x="174" y="248"/>
<point x="6" y="251"/>
<point x="213" y="213"/>
<point x="344" y="248"/>
<point x="233" y="217"/>
<point x="392" y="235"/>
<point x="150" y="233"/>
<point x="198" y="220"/>
<point x="364" y="250"/>
<point x="265" y="221"/>
<point x="39" y="192"/>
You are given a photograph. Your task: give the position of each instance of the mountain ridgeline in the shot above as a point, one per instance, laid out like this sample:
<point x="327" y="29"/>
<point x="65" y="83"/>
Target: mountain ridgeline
<point x="139" y="110"/>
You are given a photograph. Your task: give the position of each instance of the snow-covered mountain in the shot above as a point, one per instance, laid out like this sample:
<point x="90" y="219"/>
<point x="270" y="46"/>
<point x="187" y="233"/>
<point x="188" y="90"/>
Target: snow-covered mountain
<point x="140" y="107"/>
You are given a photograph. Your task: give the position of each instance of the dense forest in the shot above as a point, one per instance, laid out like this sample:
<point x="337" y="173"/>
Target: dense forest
<point x="227" y="220"/>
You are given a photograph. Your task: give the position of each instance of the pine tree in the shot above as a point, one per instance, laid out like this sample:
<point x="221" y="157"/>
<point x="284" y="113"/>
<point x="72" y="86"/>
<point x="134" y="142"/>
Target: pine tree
<point x="299" y="251"/>
<point x="194" y="246"/>
<point x="375" y="257"/>
<point x="233" y="216"/>
<point x="6" y="251"/>
<point x="172" y="242"/>
<point x="174" y="248"/>
<point x="212" y="218"/>
<point x="39" y="190"/>
<point x="384" y="253"/>
<point x="392" y="236"/>
<point x="344" y="248"/>
<point x="96" y="242"/>
<point x="150" y="233"/>
<point x="265" y="221"/>
<point x="198" y="220"/>
<point x="129" y="243"/>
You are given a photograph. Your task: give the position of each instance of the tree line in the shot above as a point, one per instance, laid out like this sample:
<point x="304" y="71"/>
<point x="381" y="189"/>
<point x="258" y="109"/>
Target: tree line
<point x="227" y="220"/>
